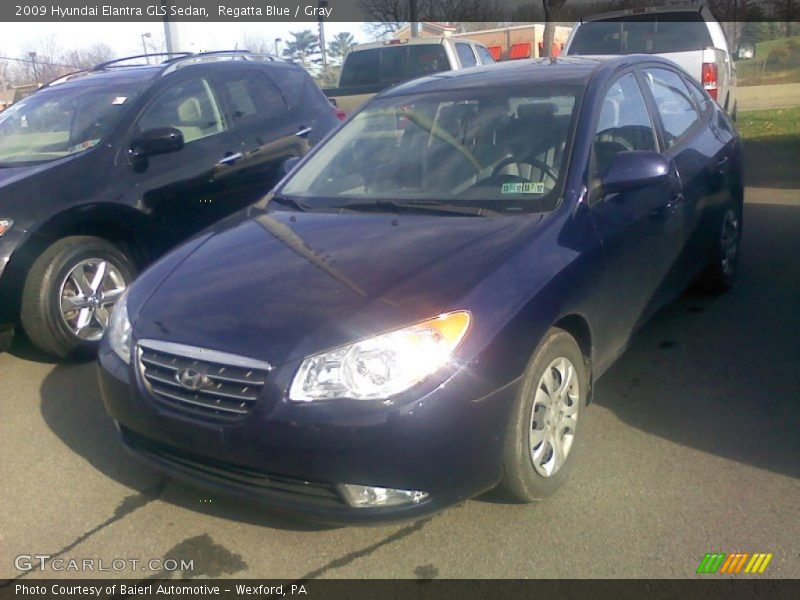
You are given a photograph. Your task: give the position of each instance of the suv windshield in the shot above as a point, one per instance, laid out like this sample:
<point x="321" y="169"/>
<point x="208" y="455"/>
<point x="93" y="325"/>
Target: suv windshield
<point x="502" y="149"/>
<point x="643" y="34"/>
<point x="54" y="123"/>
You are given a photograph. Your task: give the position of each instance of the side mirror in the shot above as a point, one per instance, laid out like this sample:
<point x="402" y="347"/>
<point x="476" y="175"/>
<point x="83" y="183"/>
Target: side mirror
<point x="156" y="141"/>
<point x="635" y="169"/>
<point x="745" y="50"/>
<point x="290" y="163"/>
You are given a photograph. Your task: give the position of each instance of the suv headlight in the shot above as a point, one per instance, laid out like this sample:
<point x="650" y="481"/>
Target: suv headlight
<point x="5" y="225"/>
<point x="119" y="330"/>
<point x="381" y="366"/>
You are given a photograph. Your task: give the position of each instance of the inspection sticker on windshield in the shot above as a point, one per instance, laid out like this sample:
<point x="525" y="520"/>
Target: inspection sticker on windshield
<point x="119" y="100"/>
<point x="522" y="188"/>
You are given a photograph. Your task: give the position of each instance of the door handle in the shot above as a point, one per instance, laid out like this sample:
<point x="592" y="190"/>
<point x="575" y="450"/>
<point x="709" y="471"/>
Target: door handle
<point x="230" y="159"/>
<point x="676" y="201"/>
<point x="304" y="131"/>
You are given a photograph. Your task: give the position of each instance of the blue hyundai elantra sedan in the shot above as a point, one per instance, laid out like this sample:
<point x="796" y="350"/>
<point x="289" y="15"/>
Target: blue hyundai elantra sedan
<point x="418" y="312"/>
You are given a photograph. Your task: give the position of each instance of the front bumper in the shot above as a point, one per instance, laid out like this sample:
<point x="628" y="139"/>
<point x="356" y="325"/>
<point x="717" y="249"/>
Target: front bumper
<point x="10" y="282"/>
<point x="447" y="441"/>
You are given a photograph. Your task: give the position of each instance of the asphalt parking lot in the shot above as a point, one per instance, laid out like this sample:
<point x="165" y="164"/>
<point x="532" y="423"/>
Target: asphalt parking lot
<point x="692" y="446"/>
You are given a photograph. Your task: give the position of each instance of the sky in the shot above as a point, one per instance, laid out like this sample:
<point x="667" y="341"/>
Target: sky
<point x="125" y="38"/>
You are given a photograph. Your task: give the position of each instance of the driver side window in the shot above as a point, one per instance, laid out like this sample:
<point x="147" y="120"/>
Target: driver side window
<point x="624" y="124"/>
<point x="188" y="106"/>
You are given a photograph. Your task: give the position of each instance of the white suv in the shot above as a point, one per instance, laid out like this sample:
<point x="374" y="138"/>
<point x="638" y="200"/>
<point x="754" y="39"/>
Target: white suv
<point x="690" y="37"/>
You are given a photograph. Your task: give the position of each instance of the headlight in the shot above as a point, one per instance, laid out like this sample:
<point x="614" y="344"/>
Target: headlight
<point x="381" y="366"/>
<point x="119" y="330"/>
<point x="5" y="225"/>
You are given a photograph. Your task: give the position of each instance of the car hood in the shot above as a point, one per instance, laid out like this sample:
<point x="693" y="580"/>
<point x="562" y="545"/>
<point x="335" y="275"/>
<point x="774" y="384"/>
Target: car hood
<point x="10" y="174"/>
<point x="276" y="285"/>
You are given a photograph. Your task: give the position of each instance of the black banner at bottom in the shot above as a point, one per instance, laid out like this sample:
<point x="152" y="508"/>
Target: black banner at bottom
<point x="382" y="589"/>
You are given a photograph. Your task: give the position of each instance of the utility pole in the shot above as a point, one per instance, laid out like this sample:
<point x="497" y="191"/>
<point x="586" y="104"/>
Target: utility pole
<point x="33" y="62"/>
<point x="412" y="16"/>
<point x="170" y="30"/>
<point x="323" y="4"/>
<point x="144" y="46"/>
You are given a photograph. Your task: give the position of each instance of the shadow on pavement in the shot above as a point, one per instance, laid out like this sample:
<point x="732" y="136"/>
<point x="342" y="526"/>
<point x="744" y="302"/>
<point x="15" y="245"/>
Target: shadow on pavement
<point x="22" y="348"/>
<point x="72" y="408"/>
<point x="722" y="375"/>
<point x="772" y="162"/>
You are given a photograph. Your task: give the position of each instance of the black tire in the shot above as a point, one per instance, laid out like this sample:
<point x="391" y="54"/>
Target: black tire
<point x="521" y="481"/>
<point x="41" y="296"/>
<point x="718" y="277"/>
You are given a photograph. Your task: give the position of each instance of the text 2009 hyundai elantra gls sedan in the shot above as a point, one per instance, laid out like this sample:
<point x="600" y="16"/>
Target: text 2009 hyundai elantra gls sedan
<point x="418" y="312"/>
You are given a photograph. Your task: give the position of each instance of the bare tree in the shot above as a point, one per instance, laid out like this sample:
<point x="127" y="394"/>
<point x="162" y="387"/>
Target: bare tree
<point x="379" y="30"/>
<point x="42" y="62"/>
<point x="391" y="12"/>
<point x="88" y="57"/>
<point x="256" y="43"/>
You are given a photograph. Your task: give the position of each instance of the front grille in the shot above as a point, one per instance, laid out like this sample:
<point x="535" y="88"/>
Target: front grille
<point x="205" y="383"/>
<point x="277" y="486"/>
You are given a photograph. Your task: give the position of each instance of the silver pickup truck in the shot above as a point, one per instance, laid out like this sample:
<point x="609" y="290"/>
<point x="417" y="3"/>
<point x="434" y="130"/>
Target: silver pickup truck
<point x="688" y="36"/>
<point x="371" y="68"/>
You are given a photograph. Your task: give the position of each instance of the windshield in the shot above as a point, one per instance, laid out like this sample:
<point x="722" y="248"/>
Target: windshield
<point x="643" y="34"/>
<point x="54" y="123"/>
<point x="503" y="149"/>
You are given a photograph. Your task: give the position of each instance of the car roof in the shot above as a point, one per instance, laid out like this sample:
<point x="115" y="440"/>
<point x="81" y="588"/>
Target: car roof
<point x="575" y="70"/>
<point x="659" y="12"/>
<point x="106" y="74"/>
<point x="106" y="77"/>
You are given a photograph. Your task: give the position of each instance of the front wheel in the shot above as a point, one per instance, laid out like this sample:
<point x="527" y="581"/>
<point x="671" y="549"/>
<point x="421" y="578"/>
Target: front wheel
<point x="69" y="294"/>
<point x="540" y="445"/>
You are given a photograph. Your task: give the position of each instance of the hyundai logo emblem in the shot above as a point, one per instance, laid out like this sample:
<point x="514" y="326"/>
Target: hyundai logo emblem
<point x="192" y="379"/>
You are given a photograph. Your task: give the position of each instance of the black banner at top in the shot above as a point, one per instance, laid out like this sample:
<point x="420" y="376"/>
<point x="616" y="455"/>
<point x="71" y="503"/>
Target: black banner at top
<point x="372" y="10"/>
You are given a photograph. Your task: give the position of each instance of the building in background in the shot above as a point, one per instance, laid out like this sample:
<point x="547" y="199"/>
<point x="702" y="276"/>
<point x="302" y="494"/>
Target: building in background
<point x="505" y="43"/>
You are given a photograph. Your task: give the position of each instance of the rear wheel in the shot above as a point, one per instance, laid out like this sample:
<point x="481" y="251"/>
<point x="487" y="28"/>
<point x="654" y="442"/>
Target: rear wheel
<point x="541" y="442"/>
<point x="69" y="294"/>
<point x="720" y="275"/>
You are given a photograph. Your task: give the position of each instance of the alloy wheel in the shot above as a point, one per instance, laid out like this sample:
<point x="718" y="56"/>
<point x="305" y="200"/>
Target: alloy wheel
<point x="554" y="417"/>
<point x="88" y="294"/>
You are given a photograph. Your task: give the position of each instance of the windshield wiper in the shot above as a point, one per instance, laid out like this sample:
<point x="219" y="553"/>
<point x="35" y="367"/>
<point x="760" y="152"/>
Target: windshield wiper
<point x="411" y="206"/>
<point x="290" y="202"/>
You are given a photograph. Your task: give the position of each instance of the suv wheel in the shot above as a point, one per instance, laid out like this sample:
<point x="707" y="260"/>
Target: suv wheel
<point x="540" y="445"/>
<point x="69" y="294"/>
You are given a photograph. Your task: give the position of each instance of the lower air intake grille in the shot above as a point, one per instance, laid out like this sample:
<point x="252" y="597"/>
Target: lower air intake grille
<point x="267" y="484"/>
<point x="206" y="383"/>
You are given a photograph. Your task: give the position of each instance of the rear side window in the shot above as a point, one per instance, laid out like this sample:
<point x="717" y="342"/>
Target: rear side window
<point x="252" y="96"/>
<point x="674" y="102"/>
<point x="465" y="55"/>
<point x="701" y="97"/>
<point x="293" y="82"/>
<point x="393" y="64"/>
<point x="485" y="56"/>
<point x="624" y="123"/>
<point x="643" y="34"/>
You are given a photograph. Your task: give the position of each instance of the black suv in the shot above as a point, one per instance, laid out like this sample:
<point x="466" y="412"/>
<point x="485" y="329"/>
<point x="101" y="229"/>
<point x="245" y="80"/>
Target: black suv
<point x="101" y="171"/>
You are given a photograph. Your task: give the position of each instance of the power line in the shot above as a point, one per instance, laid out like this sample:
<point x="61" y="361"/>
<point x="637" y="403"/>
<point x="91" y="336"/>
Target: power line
<point x="39" y="62"/>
